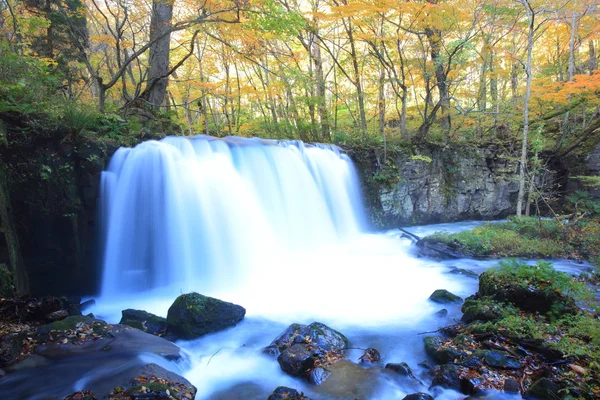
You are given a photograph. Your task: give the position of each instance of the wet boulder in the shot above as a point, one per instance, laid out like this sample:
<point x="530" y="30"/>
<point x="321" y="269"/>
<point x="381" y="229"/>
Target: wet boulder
<point x="448" y="376"/>
<point x="318" y="335"/>
<point x="193" y="315"/>
<point x="500" y="360"/>
<point x="144" y="321"/>
<point x="442" y="296"/>
<point x="296" y="360"/>
<point x="371" y="356"/>
<point x="543" y="389"/>
<point x="401" y="369"/>
<point x="155" y="383"/>
<point x="306" y="350"/>
<point x="286" y="393"/>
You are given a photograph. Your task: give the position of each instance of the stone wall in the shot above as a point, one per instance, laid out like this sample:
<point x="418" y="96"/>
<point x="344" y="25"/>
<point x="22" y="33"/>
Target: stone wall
<point x="438" y="185"/>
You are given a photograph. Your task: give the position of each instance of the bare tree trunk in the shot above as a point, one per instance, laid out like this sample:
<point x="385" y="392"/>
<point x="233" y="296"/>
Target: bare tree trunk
<point x="160" y="24"/>
<point x="523" y="163"/>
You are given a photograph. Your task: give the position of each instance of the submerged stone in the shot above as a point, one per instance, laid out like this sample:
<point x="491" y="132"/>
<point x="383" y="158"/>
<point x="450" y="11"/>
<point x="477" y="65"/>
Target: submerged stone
<point x="193" y="315"/>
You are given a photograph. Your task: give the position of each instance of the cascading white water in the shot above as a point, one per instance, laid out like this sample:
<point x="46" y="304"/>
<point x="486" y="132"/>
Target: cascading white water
<point x="202" y="213"/>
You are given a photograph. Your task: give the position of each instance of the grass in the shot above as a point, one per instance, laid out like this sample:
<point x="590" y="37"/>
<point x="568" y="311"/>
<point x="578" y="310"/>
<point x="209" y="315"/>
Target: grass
<point x="528" y="237"/>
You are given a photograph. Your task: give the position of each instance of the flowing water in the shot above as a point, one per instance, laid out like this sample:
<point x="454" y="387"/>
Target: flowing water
<point x="279" y="228"/>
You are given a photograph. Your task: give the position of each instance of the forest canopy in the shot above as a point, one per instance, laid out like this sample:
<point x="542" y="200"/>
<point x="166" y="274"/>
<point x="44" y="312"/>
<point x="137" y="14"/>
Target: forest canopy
<point x="318" y="70"/>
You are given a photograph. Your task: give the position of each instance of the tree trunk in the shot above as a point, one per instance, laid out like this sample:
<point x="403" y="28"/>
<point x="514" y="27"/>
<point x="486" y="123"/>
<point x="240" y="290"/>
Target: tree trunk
<point x="158" y="80"/>
<point x="523" y="163"/>
<point x="593" y="61"/>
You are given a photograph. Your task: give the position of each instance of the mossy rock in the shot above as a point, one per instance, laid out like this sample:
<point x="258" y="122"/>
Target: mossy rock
<point x="442" y="296"/>
<point x="529" y="295"/>
<point x="193" y="315"/>
<point x="144" y="321"/>
<point x="543" y="389"/>
<point x="483" y="310"/>
<point x="440" y="354"/>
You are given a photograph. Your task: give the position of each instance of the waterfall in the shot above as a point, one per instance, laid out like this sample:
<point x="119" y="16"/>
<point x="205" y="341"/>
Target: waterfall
<point x="200" y="213"/>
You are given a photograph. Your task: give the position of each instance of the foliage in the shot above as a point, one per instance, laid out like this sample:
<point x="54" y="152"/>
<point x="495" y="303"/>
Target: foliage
<point x="27" y="85"/>
<point x="541" y="274"/>
<point x="500" y="240"/>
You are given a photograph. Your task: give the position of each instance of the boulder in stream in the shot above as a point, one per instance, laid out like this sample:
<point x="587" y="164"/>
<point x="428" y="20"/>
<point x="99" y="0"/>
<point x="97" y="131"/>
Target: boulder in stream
<point x="144" y="321"/>
<point x="533" y="294"/>
<point x="286" y="393"/>
<point x="193" y="315"/>
<point x="442" y="296"/>
<point x="305" y="350"/>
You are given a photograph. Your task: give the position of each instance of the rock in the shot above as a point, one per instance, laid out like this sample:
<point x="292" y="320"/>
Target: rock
<point x="57" y="315"/>
<point x="371" y="356"/>
<point x="401" y="368"/>
<point x="144" y="321"/>
<point x="319" y="335"/>
<point x="286" y="393"/>
<point x="481" y="310"/>
<point x="296" y="360"/>
<point x="418" y="396"/>
<point x="501" y="360"/>
<point x="464" y="272"/>
<point x="318" y="375"/>
<point x="459" y="184"/>
<point x="442" y="313"/>
<point x="543" y="389"/>
<point x="425" y="365"/>
<point x="471" y="386"/>
<point x="193" y="315"/>
<point x="81" y="395"/>
<point x="100" y="339"/>
<point x="441" y="355"/>
<point x="529" y="296"/>
<point x="443" y="296"/>
<point x="447" y="376"/>
<point x="150" y="386"/>
<point x="512" y="386"/>
<point x="10" y="347"/>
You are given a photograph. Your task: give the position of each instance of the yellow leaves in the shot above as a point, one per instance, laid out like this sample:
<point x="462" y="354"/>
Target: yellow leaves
<point x="103" y="39"/>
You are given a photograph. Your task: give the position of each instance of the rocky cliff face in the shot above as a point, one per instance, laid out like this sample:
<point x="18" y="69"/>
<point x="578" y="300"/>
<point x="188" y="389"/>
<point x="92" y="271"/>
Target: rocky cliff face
<point x="438" y="185"/>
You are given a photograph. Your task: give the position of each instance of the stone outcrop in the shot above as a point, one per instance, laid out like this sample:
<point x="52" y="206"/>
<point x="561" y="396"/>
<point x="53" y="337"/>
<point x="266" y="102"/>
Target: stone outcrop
<point x="438" y="185"/>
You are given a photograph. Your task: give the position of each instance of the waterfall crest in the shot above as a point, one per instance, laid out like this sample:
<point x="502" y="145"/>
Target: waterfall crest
<point x="198" y="213"/>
